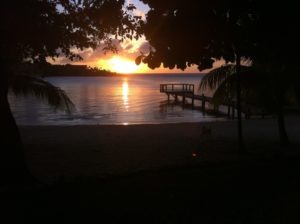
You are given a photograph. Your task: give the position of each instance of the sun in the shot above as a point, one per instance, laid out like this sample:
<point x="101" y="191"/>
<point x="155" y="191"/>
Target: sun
<point x="122" y="65"/>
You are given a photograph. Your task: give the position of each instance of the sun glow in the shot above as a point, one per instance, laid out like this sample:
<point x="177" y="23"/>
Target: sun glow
<point x="122" y="65"/>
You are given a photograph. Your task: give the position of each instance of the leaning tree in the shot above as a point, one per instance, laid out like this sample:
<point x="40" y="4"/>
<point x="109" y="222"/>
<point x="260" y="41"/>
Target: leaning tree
<point x="33" y="30"/>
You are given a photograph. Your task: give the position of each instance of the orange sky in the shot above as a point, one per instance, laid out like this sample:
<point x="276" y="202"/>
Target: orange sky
<point x="123" y="61"/>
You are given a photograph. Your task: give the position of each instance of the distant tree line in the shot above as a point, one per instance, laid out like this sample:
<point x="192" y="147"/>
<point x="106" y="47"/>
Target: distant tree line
<point x="74" y="70"/>
<point x="45" y="69"/>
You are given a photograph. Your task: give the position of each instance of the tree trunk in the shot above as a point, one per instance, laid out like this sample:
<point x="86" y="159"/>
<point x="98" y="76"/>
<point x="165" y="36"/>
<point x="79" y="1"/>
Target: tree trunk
<point x="13" y="167"/>
<point x="284" y="139"/>
<point x="238" y="102"/>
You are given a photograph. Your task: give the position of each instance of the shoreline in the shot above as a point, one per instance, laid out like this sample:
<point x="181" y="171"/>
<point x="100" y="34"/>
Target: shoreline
<point x="125" y="124"/>
<point x="124" y="74"/>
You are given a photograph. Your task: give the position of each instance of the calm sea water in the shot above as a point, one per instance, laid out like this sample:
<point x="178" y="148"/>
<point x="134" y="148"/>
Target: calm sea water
<point x="134" y="99"/>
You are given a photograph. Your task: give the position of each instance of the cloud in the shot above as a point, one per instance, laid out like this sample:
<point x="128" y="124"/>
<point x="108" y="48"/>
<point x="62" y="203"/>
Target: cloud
<point x="140" y="13"/>
<point x="88" y="55"/>
<point x="145" y="47"/>
<point x="141" y="8"/>
<point x="87" y="52"/>
<point x="128" y="47"/>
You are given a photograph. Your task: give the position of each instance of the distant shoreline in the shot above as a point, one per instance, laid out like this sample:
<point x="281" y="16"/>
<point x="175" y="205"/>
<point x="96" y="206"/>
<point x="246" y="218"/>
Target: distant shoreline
<point x="119" y="74"/>
<point x="82" y="75"/>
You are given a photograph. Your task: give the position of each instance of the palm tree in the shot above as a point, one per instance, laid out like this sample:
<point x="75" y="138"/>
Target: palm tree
<point x="218" y="80"/>
<point x="259" y="88"/>
<point x="11" y="155"/>
<point x="30" y="85"/>
<point x="222" y="81"/>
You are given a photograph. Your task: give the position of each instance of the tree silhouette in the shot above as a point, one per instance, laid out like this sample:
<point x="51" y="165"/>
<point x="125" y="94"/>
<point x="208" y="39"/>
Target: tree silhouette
<point x="185" y="33"/>
<point x="277" y="50"/>
<point x="33" y="30"/>
<point x="259" y="88"/>
<point x="25" y="85"/>
<point x="222" y="81"/>
<point x="189" y="32"/>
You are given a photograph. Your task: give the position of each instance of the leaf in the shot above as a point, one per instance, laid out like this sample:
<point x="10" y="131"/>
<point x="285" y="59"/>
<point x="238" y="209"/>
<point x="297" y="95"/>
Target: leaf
<point x="131" y="7"/>
<point x="29" y="85"/>
<point x="138" y="60"/>
<point x="215" y="77"/>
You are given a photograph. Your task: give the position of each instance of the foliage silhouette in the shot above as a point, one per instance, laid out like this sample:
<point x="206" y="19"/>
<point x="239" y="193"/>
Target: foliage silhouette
<point x="28" y="85"/>
<point x="33" y="30"/>
<point x="185" y="33"/>
<point x="253" y="92"/>
<point x="277" y="51"/>
<point x="259" y="88"/>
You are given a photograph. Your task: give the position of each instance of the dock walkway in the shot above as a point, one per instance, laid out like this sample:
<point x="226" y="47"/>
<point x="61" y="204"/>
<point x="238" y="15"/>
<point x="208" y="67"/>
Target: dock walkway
<point x="186" y="91"/>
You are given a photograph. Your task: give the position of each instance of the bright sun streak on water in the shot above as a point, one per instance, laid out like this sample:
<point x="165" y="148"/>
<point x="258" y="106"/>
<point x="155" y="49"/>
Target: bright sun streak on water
<point x="125" y="91"/>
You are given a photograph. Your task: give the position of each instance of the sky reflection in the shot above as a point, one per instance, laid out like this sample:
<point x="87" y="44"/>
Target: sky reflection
<point x="111" y="100"/>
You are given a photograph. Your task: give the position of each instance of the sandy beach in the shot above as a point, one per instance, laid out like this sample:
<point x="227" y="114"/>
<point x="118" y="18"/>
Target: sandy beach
<point x="65" y="152"/>
<point x="170" y="173"/>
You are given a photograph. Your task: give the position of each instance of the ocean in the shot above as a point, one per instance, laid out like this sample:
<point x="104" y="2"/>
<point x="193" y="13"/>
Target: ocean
<point x="115" y="100"/>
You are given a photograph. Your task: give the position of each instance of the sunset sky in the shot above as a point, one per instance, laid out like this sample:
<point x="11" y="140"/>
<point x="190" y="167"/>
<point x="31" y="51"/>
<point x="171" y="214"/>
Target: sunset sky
<point x="123" y="61"/>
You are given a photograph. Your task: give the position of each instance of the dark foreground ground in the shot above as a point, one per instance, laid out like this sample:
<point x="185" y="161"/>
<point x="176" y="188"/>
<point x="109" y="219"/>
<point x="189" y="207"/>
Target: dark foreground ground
<point x="266" y="191"/>
<point x="157" y="174"/>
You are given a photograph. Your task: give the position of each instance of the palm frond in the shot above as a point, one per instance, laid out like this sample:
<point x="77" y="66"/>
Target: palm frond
<point x="253" y="90"/>
<point x="216" y="76"/>
<point x="29" y="85"/>
<point x="226" y="91"/>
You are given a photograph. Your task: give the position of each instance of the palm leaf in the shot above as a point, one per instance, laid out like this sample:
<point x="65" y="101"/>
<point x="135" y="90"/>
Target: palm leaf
<point x="223" y="81"/>
<point x="225" y="92"/>
<point x="29" y="85"/>
<point x="216" y="76"/>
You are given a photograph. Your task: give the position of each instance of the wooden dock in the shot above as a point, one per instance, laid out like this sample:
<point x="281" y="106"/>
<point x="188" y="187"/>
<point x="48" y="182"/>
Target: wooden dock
<point x="183" y="90"/>
<point x="186" y="91"/>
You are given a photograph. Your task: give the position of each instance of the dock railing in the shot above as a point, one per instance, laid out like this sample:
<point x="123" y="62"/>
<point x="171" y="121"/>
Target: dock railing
<point x="177" y="88"/>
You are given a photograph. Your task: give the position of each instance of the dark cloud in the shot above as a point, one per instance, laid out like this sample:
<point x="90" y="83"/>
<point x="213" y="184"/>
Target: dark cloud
<point x="90" y="55"/>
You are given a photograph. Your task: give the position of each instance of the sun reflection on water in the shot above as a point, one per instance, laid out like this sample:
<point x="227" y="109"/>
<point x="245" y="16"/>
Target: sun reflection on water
<point x="125" y="92"/>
